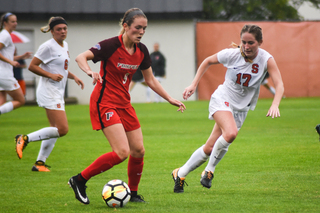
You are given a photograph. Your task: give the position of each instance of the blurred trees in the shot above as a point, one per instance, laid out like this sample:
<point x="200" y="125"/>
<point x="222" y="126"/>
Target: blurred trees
<point x="236" y="10"/>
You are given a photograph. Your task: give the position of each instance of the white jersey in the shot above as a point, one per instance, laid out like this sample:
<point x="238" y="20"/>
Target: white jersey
<point x="242" y="80"/>
<point x="55" y="59"/>
<point x="6" y="69"/>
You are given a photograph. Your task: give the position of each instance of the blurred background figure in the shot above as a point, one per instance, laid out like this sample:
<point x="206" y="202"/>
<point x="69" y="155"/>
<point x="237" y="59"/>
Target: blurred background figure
<point x="8" y="84"/>
<point x="158" y="66"/>
<point x="266" y="85"/>
<point x="137" y="78"/>
<point x="17" y="73"/>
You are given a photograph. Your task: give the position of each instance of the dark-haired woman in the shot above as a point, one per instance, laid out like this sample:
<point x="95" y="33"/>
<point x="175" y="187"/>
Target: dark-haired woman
<point x="8" y="84"/>
<point x="230" y="103"/>
<point x="51" y="62"/>
<point x="110" y="106"/>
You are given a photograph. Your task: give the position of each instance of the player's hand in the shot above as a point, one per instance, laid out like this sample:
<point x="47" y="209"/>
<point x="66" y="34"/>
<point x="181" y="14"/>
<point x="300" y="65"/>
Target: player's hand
<point x="79" y="82"/>
<point x="15" y="64"/>
<point x="27" y="55"/>
<point x="177" y="103"/>
<point x="273" y="112"/>
<point x="188" y="92"/>
<point x="56" y="77"/>
<point x="95" y="76"/>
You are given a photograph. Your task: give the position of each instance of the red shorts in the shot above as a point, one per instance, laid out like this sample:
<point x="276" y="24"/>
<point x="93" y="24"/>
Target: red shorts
<point x="104" y="116"/>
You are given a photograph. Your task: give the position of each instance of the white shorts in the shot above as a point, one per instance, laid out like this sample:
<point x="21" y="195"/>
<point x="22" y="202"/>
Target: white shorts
<point x="217" y="103"/>
<point x="59" y="106"/>
<point x="9" y="84"/>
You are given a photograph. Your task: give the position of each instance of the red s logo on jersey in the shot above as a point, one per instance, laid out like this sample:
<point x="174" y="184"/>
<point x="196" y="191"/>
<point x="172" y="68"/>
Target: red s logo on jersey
<point x="255" y="68"/>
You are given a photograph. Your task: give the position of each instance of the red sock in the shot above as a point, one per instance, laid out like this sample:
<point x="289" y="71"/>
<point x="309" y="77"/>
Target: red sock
<point x="135" y="166"/>
<point x="101" y="164"/>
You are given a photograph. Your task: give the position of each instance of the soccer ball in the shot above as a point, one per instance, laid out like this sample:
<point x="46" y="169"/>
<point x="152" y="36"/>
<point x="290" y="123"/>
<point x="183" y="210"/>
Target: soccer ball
<point x="116" y="193"/>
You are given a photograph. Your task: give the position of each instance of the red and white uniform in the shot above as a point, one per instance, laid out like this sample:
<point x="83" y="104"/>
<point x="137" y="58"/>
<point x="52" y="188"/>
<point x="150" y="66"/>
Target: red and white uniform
<point x="55" y="59"/>
<point x="240" y="90"/>
<point x="116" y="70"/>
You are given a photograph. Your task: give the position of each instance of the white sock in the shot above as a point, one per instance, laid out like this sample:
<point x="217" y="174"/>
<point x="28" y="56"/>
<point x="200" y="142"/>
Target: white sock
<point x="7" y="107"/>
<point x="148" y="93"/>
<point x="196" y="160"/>
<point x="43" y="134"/>
<point x="220" y="148"/>
<point x="272" y="90"/>
<point x="46" y="148"/>
<point x="157" y="97"/>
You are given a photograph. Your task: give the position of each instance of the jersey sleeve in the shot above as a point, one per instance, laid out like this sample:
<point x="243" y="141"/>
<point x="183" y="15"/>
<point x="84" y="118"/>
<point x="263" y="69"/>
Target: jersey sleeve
<point x="146" y="62"/>
<point x="104" y="49"/>
<point x="223" y="56"/>
<point x="44" y="53"/>
<point x="5" y="40"/>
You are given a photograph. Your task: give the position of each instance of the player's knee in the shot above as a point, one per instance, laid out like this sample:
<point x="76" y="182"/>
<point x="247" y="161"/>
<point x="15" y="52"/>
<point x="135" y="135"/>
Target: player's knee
<point x="123" y="154"/>
<point x="138" y="153"/>
<point x="22" y="101"/>
<point x="230" y="135"/>
<point x="63" y="130"/>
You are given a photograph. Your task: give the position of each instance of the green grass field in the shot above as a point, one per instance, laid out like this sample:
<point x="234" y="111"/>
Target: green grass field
<point x="272" y="166"/>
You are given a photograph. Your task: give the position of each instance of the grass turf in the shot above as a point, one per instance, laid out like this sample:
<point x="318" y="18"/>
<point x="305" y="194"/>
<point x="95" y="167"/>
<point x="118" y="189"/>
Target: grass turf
<point x="272" y="166"/>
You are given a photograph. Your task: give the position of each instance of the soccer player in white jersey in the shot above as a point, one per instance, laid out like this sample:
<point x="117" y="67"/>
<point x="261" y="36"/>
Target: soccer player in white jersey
<point x="51" y="63"/>
<point x="231" y="101"/>
<point x="8" y="84"/>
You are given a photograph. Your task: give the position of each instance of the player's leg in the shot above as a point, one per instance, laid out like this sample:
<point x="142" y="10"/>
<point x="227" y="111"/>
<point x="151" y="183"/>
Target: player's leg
<point x="135" y="163"/>
<point x="148" y="94"/>
<point x="57" y="119"/>
<point x="58" y="127"/>
<point x="226" y="123"/>
<point x="117" y="138"/>
<point x="3" y="97"/>
<point x="18" y="101"/>
<point x="197" y="159"/>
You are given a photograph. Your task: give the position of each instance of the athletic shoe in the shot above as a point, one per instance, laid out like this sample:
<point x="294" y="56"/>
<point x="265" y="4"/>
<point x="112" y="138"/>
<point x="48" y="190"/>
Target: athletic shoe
<point x="79" y="190"/>
<point x="40" y="166"/>
<point x="206" y="179"/>
<point x="178" y="182"/>
<point x="21" y="143"/>
<point x="318" y="130"/>
<point x="137" y="198"/>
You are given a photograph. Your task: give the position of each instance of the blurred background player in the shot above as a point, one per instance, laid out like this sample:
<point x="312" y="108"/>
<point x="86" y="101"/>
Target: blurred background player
<point x="8" y="84"/>
<point x="158" y="66"/>
<point x="266" y="85"/>
<point x="51" y="62"/>
<point x="17" y="73"/>
<point x="137" y="78"/>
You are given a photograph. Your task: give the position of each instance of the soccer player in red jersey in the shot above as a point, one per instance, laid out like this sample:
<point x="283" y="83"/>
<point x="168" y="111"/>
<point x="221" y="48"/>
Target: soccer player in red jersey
<point x="110" y="106"/>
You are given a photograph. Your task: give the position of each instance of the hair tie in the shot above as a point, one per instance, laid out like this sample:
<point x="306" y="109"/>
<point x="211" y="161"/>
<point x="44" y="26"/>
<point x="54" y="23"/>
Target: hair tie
<point x="56" y="22"/>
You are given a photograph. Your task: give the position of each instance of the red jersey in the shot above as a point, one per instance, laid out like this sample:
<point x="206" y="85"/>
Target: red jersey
<point x="116" y="70"/>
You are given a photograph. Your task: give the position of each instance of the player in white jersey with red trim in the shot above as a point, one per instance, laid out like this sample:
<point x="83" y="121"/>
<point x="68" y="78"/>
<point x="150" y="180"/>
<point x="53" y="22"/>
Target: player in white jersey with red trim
<point x="50" y="93"/>
<point x="51" y="63"/>
<point x="8" y="84"/>
<point x="231" y="101"/>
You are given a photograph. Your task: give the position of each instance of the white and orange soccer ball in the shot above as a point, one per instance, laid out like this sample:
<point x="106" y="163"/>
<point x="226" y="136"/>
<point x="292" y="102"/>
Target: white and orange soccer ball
<point x="116" y="193"/>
